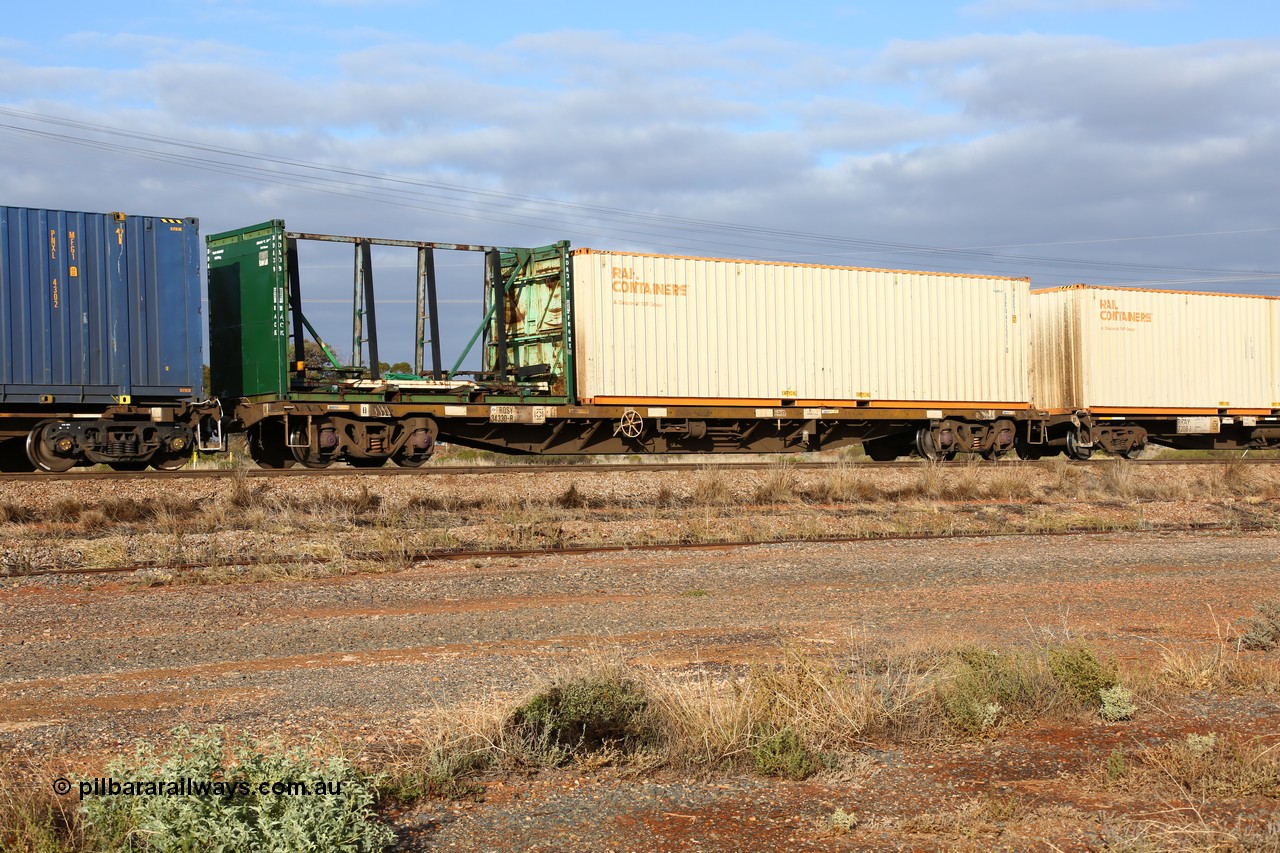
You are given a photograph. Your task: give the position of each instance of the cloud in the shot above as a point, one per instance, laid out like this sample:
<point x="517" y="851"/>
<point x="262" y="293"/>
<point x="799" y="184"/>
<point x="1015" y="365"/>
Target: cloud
<point x="973" y="141"/>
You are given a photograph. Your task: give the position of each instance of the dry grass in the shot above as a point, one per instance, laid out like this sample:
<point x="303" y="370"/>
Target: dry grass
<point x="716" y="504"/>
<point x="32" y="818"/>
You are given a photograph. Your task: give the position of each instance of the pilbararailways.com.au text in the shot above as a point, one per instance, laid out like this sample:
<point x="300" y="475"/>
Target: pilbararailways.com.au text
<point x="184" y="787"/>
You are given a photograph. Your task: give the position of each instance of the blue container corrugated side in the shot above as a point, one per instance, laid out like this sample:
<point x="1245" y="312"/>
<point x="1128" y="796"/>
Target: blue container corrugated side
<point x="98" y="307"/>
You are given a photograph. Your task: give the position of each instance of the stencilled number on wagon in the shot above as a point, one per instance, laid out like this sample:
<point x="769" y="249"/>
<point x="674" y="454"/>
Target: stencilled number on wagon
<point x="518" y="414"/>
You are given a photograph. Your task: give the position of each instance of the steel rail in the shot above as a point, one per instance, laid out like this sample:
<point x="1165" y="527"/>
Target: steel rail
<point x="536" y="468"/>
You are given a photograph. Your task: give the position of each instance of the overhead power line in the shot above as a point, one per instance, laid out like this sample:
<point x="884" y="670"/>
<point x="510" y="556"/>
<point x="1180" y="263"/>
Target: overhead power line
<point x="590" y="219"/>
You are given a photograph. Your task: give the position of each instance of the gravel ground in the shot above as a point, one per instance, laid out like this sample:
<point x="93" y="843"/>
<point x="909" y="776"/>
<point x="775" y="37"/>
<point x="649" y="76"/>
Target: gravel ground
<point x="88" y="665"/>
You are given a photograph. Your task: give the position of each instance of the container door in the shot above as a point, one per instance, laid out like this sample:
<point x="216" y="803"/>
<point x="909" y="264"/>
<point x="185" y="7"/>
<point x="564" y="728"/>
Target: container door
<point x="163" y="293"/>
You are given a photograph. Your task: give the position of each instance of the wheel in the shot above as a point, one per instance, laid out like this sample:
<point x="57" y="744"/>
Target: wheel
<point x="266" y="446"/>
<point x="13" y="457"/>
<point x="406" y="461"/>
<point x="169" y="463"/>
<point x="1075" y="450"/>
<point x="41" y="457"/>
<point x="302" y="455"/>
<point x="631" y="424"/>
<point x="925" y="449"/>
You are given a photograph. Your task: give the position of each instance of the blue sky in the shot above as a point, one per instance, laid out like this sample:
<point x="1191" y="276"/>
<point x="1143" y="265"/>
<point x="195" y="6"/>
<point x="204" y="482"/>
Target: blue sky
<point x="1108" y="141"/>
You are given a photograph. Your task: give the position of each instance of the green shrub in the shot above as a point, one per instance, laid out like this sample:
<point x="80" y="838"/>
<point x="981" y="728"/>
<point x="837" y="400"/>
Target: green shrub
<point x="1117" y="704"/>
<point x="609" y="711"/>
<point x="781" y="752"/>
<point x="987" y="686"/>
<point x="1080" y="673"/>
<point x="238" y="811"/>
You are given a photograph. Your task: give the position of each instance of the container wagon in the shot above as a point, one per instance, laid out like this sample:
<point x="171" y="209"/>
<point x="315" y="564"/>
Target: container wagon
<point x="1133" y="366"/>
<point x="100" y="338"/>
<point x="605" y="352"/>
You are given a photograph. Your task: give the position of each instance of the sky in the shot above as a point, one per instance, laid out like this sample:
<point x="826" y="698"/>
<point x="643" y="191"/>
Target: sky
<point x="1126" y="142"/>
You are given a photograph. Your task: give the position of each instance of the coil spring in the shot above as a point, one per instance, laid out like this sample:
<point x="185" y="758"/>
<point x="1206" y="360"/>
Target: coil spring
<point x="127" y="446"/>
<point x="376" y="444"/>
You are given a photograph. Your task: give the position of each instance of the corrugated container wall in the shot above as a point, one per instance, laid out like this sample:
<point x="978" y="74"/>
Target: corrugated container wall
<point x="96" y="307"/>
<point x="1127" y="348"/>
<point x="660" y="327"/>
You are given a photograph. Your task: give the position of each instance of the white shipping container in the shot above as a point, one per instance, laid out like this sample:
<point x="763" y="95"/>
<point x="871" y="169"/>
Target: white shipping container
<point x="656" y="327"/>
<point x="1130" y="348"/>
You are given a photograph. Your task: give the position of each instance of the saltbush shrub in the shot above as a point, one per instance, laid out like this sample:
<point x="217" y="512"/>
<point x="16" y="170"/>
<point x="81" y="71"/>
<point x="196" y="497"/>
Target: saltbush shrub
<point x="237" y="802"/>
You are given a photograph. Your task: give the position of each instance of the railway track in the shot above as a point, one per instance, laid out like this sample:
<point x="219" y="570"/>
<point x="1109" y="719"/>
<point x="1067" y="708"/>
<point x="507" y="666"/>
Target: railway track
<point x="468" y="553"/>
<point x="471" y="470"/>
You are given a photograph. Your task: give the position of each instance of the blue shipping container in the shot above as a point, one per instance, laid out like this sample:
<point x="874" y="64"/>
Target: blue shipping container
<point x="98" y="307"/>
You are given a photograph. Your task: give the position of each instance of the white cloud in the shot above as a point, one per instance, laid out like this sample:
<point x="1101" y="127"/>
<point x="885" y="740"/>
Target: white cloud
<point x="966" y="141"/>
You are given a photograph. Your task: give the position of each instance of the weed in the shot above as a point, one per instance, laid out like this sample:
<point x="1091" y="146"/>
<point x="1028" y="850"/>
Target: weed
<point x="781" y="752"/>
<point x="986" y="687"/>
<point x="779" y="485"/>
<point x="1213" y="765"/>
<point x="842" y="822"/>
<point x="711" y="488"/>
<point x="1080" y="673"/>
<point x="609" y="710"/>
<point x="571" y="498"/>
<point x="241" y="495"/>
<point x="1117" y="704"/>
<point x="1117" y="765"/>
<point x="1262" y="633"/>
<point x="243" y="813"/>
<point x="11" y="513"/>
<point x="32" y="819"/>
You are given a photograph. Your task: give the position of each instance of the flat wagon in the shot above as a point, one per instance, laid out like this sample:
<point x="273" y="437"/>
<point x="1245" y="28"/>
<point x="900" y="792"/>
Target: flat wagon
<point x="605" y="352"/>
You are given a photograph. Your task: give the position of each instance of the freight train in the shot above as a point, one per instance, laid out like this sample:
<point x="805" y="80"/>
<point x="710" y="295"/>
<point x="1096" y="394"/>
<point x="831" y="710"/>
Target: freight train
<point x="585" y="351"/>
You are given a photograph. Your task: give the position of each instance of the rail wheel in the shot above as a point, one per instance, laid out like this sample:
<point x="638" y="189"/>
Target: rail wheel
<point x="42" y="457"/>
<point x="304" y="457"/>
<point x="169" y="463"/>
<point x="926" y="449"/>
<point x="405" y="460"/>
<point x="1075" y="450"/>
<point x="266" y="446"/>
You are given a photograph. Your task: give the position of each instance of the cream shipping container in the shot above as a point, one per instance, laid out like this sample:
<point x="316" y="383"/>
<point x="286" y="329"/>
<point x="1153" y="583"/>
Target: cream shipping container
<point x="1137" y="351"/>
<point x="660" y="329"/>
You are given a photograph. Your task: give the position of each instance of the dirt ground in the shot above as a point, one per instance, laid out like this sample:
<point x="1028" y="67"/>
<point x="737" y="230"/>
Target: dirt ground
<point x="87" y="665"/>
